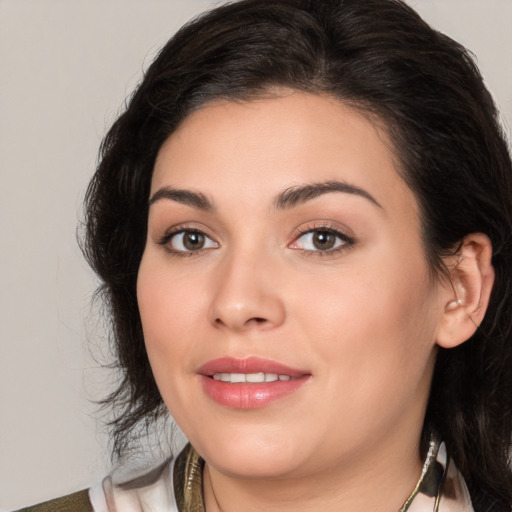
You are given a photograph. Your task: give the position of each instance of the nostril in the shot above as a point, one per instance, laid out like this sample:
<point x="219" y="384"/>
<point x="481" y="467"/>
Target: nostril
<point x="251" y="321"/>
<point x="256" y="320"/>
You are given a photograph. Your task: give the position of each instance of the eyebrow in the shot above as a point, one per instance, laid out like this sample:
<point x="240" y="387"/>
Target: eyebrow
<point x="289" y="198"/>
<point x="294" y="196"/>
<point x="187" y="197"/>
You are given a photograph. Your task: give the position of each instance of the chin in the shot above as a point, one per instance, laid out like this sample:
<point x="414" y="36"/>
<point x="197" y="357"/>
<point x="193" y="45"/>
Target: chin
<point x="255" y="466"/>
<point x="253" y="456"/>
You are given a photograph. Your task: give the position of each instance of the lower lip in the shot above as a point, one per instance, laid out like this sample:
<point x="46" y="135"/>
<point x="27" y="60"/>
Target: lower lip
<point x="250" y="396"/>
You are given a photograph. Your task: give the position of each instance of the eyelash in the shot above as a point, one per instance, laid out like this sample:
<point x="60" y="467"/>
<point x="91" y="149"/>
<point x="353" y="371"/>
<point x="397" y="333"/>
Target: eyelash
<point x="347" y="241"/>
<point x="168" y="236"/>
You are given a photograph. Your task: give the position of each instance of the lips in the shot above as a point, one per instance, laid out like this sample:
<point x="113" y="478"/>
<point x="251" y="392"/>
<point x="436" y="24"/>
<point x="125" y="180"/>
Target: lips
<point x="249" y="383"/>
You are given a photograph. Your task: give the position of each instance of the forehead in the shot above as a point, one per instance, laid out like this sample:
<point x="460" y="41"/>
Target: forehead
<point x="267" y="145"/>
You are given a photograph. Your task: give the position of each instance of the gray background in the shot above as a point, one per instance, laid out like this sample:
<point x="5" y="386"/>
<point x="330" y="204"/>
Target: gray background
<point x="65" y="68"/>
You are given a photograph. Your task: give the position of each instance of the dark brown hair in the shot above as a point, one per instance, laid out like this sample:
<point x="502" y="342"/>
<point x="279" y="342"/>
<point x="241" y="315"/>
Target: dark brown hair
<point x="380" y="57"/>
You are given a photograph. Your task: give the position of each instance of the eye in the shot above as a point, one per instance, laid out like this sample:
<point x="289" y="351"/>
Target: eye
<point x="321" y="240"/>
<point x="187" y="241"/>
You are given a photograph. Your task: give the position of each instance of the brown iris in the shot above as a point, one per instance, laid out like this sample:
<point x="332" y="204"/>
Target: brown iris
<point x="323" y="240"/>
<point x="193" y="241"/>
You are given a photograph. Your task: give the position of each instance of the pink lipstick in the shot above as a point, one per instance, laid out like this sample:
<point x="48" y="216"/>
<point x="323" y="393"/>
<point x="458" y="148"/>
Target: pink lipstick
<point x="249" y="383"/>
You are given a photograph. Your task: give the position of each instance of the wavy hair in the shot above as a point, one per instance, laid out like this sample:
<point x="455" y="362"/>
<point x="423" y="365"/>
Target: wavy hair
<point x="380" y="57"/>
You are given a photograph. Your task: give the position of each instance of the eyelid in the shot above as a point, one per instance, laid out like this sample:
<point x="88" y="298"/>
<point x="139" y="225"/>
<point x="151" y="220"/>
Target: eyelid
<point x="160" y="233"/>
<point x="173" y="231"/>
<point x="326" y="227"/>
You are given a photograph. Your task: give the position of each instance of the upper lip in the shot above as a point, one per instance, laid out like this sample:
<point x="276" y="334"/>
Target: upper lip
<point x="248" y="365"/>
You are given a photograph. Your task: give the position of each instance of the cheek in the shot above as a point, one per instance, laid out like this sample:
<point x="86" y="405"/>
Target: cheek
<point x="374" y="331"/>
<point x="168" y="301"/>
<point x="386" y="295"/>
<point x="170" y="316"/>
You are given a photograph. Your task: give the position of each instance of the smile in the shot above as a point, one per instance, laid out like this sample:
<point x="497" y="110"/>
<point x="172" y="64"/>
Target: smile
<point x="249" y="383"/>
<point x="235" y="378"/>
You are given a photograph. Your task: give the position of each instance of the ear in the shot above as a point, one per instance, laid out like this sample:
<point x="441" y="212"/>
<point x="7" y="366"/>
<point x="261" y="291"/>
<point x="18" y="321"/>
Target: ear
<point x="466" y="296"/>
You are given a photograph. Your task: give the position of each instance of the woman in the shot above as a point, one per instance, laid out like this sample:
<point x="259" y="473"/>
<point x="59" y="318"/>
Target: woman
<point x="303" y="224"/>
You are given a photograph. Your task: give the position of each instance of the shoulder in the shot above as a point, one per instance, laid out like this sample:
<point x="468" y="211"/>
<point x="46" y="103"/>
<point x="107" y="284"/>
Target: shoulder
<point x="172" y="485"/>
<point x="76" y="502"/>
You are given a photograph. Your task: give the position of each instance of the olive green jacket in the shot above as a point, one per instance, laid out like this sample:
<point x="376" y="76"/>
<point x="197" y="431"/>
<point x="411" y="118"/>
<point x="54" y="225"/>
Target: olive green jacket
<point x="76" y="502"/>
<point x="187" y="484"/>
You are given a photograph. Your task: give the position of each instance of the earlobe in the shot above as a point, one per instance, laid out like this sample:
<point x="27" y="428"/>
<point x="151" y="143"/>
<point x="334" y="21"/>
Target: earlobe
<point x="465" y="301"/>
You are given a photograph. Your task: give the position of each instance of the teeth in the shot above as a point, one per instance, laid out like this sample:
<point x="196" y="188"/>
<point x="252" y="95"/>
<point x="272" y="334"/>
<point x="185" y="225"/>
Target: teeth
<point x="249" y="377"/>
<point x="255" y="377"/>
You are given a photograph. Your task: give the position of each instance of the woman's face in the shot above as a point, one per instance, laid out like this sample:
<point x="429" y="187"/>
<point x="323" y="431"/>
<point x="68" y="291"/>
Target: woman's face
<point x="284" y="247"/>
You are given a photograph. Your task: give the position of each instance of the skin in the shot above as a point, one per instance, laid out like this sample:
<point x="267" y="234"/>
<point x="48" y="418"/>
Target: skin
<point x="363" y="320"/>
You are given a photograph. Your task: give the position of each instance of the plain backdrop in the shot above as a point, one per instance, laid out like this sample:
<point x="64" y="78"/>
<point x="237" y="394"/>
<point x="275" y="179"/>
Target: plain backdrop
<point x="65" y="68"/>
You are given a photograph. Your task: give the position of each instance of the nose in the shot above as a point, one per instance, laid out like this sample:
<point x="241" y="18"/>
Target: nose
<point x="246" y="295"/>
